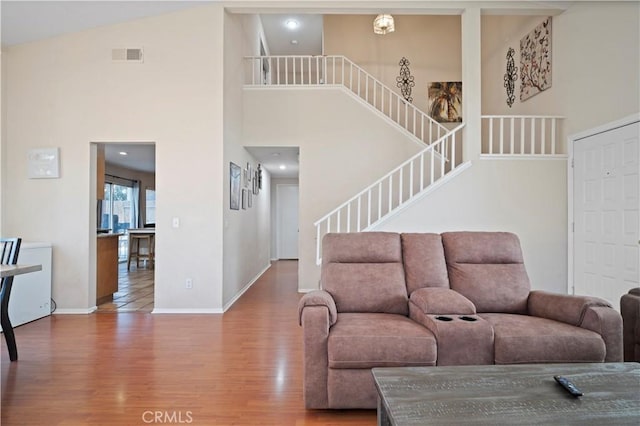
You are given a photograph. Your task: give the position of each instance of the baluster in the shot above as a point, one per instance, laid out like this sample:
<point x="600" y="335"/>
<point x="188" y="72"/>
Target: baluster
<point x="523" y="122"/>
<point x="390" y="193"/>
<point x="543" y="135"/>
<point x="317" y="70"/>
<point x="421" y="171"/>
<point x="414" y="122"/>
<point x="442" y="157"/>
<point x="375" y="93"/>
<point x="512" y="147"/>
<point x="348" y="217"/>
<point x="318" y="244"/>
<point x="253" y="72"/>
<point x="359" y="214"/>
<point x="382" y="99"/>
<point x="490" y="135"/>
<point x="398" y="107"/>
<point x="294" y="71"/>
<point x="359" y="82"/>
<point x="379" y="200"/>
<point x="553" y="136"/>
<point x="533" y="135"/>
<point x="453" y="151"/>
<point x="286" y="71"/>
<point x="400" y="191"/>
<point x="501" y="135"/>
<point x="366" y="88"/>
<point x="339" y="214"/>
<point x="406" y="115"/>
<point x="328" y="224"/>
<point x="422" y="127"/>
<point x="433" y="165"/>
<point x="369" y="208"/>
<point x="351" y="76"/>
<point x="411" y="179"/>
<point x="310" y="73"/>
<point x="342" y="71"/>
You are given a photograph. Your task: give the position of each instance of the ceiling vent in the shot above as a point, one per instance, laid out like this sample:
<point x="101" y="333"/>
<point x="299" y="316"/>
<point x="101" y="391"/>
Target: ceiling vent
<point x="127" y="55"/>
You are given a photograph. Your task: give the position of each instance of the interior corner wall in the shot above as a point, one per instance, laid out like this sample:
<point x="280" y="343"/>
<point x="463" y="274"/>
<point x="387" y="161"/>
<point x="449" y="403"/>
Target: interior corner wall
<point x="431" y="43"/>
<point x="67" y="92"/>
<point x="344" y="147"/>
<point x="247" y="231"/>
<point x="595" y="64"/>
<point x="274" y="214"/>
<point x="528" y="198"/>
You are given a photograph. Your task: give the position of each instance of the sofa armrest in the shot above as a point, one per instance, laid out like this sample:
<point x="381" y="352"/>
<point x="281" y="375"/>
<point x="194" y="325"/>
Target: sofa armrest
<point x="565" y="308"/>
<point x="588" y="312"/>
<point x="438" y="300"/>
<point x="317" y="313"/>
<point x="318" y="298"/>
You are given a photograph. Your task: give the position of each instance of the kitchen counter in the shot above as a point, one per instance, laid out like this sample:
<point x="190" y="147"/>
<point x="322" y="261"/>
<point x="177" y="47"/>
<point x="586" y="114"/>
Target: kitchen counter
<point x="106" y="267"/>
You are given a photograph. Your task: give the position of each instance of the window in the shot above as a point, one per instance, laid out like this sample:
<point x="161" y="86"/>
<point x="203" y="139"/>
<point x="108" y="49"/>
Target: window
<point x="150" y="203"/>
<point x="119" y="212"/>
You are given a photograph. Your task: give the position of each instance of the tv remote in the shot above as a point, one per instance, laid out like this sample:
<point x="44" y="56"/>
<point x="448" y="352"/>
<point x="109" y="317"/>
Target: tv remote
<point x="569" y="387"/>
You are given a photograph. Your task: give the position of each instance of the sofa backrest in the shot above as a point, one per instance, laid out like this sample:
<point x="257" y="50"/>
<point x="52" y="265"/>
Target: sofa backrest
<point x="424" y="263"/>
<point x="364" y="272"/>
<point x="488" y="269"/>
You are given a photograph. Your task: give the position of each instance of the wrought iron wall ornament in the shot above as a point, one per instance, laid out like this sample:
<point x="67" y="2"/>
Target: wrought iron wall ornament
<point x="405" y="80"/>
<point x="510" y="77"/>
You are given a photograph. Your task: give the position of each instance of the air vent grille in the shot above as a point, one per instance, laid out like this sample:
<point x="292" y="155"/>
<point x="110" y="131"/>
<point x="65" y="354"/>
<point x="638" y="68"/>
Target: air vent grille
<point x="127" y="55"/>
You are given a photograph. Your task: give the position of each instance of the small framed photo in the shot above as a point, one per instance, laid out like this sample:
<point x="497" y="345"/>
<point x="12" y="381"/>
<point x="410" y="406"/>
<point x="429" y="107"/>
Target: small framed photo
<point x="245" y="195"/>
<point x="249" y="199"/>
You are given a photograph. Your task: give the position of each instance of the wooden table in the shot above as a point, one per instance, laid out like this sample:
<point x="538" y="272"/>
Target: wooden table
<point x="509" y="394"/>
<point x="7" y="271"/>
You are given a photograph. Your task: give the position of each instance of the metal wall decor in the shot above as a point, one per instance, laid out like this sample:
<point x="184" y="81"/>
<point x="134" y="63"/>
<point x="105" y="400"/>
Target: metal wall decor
<point x="405" y="80"/>
<point x="510" y="77"/>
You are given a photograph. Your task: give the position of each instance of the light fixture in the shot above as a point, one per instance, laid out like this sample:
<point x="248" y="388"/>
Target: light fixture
<point x="292" y="24"/>
<point x="282" y="167"/>
<point x="294" y="42"/>
<point x="123" y="153"/>
<point x="383" y="24"/>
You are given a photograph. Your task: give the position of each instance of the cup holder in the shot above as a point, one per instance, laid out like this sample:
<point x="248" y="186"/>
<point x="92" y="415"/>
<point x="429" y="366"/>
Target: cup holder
<point x="466" y="318"/>
<point x="443" y="318"/>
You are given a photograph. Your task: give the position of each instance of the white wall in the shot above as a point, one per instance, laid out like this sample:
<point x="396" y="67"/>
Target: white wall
<point x="66" y="92"/>
<point x="247" y="233"/>
<point x="344" y="146"/>
<point x="527" y="197"/>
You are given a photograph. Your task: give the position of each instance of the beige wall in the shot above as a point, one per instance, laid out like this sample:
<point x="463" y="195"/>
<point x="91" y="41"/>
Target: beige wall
<point x="432" y="44"/>
<point x="344" y="146"/>
<point x="66" y="92"/>
<point x="247" y="233"/>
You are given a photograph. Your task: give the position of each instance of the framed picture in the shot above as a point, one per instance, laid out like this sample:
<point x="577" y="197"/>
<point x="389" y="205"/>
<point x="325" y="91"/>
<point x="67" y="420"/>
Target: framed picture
<point x="234" y="186"/>
<point x="445" y="101"/>
<point x="245" y="195"/>
<point x="535" y="60"/>
<point x="259" y="177"/>
<point x="249" y="199"/>
<point x="255" y="183"/>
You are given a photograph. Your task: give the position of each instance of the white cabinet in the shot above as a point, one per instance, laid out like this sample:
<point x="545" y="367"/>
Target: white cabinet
<point x="31" y="293"/>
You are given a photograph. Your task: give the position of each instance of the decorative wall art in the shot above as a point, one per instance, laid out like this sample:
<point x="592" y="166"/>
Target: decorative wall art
<point x="259" y="176"/>
<point x="445" y="101"/>
<point x="245" y="195"/>
<point x="234" y="186"/>
<point x="510" y="77"/>
<point x="405" y="80"/>
<point x="535" y="61"/>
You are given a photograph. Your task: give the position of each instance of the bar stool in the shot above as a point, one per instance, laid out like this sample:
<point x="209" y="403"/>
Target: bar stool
<point x="136" y="249"/>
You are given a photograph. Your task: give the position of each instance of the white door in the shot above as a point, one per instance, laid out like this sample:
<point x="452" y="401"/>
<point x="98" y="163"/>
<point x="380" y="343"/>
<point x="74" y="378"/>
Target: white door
<point x="287" y="211"/>
<point x="606" y="202"/>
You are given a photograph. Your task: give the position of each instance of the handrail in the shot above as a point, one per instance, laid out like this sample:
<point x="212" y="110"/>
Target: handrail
<point x="308" y="70"/>
<point x="522" y="135"/>
<point x="395" y="196"/>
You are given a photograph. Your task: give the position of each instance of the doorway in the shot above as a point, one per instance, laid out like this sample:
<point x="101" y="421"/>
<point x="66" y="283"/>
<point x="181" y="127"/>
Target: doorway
<point x="127" y="204"/>
<point x="287" y="220"/>
<point x="606" y="205"/>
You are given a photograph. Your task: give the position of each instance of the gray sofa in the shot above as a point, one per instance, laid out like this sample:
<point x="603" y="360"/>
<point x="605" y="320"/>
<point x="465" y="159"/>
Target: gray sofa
<point x="457" y="298"/>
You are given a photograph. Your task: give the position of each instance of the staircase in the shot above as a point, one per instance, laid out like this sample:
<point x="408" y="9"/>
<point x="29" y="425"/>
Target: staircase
<point x="440" y="159"/>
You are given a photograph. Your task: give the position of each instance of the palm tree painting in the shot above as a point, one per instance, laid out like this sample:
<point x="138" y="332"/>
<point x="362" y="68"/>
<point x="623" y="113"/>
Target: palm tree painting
<point x="445" y="101"/>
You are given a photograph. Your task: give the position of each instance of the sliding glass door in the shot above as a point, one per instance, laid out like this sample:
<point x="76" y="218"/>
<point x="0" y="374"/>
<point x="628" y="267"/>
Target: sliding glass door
<point x="119" y="213"/>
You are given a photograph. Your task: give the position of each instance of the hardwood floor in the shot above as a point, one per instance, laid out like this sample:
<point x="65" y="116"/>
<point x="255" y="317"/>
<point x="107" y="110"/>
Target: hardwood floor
<point x="240" y="368"/>
<point x="135" y="290"/>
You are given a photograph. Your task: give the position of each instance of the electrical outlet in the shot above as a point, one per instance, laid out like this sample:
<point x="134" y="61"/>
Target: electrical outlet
<point x="188" y="283"/>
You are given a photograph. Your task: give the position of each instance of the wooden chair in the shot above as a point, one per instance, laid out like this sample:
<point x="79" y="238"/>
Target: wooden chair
<point x="10" y="248"/>
<point x="136" y="249"/>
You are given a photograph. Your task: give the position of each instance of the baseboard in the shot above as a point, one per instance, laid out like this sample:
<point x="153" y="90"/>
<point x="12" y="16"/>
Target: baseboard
<point x="185" y="311"/>
<point x="71" y="311"/>
<point x="245" y="288"/>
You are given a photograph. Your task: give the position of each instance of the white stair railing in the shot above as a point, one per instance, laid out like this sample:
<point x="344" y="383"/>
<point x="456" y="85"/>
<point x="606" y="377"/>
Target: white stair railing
<point x="296" y="71"/>
<point x="521" y="135"/>
<point x="393" y="191"/>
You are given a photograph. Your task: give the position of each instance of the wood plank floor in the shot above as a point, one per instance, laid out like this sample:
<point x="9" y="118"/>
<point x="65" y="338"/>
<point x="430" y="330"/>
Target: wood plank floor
<point x="240" y="368"/>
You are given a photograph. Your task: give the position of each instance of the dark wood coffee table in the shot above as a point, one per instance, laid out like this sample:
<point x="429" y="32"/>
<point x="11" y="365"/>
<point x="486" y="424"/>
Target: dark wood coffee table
<point x="509" y="394"/>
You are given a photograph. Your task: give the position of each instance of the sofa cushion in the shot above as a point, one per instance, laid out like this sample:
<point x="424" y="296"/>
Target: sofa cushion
<point x="521" y="339"/>
<point x="379" y="340"/>
<point x="488" y="269"/>
<point x="424" y="264"/>
<point x="364" y="273"/>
